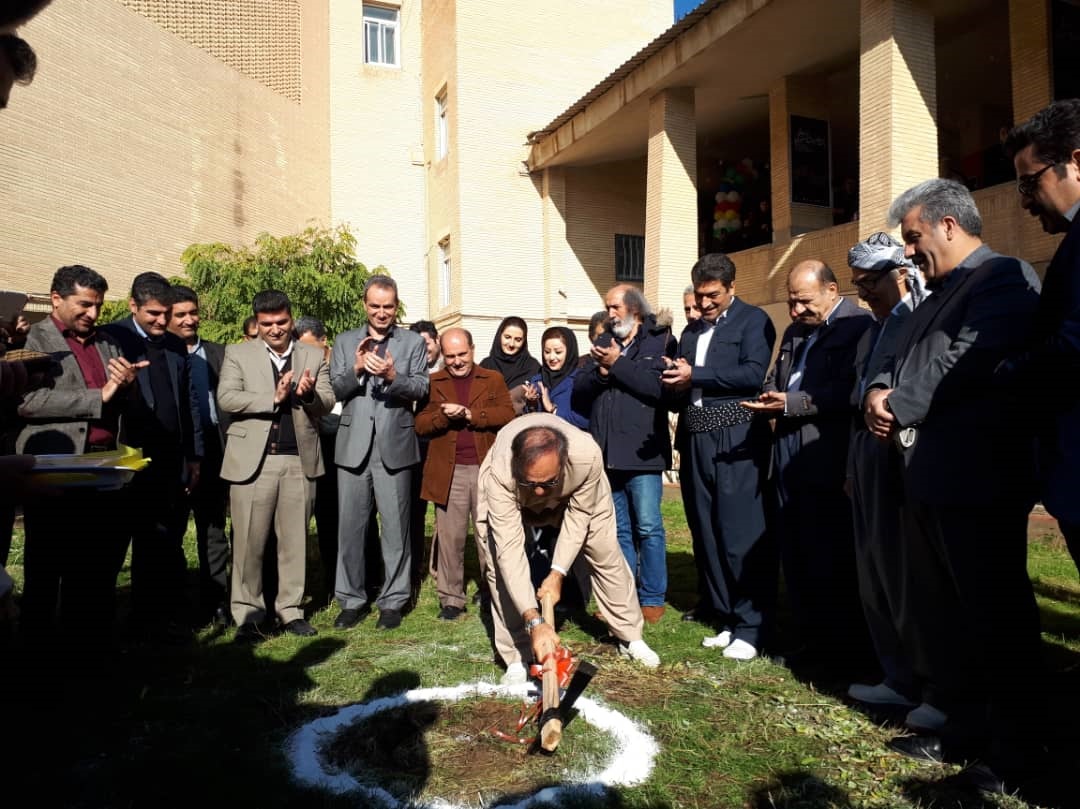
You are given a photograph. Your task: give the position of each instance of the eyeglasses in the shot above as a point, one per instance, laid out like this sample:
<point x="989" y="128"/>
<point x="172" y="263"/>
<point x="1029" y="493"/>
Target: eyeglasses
<point x="1027" y="184"/>
<point x="539" y="484"/>
<point x="868" y="283"/>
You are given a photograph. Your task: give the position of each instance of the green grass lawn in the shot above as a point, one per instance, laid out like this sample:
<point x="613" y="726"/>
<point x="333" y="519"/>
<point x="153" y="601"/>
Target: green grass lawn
<point x="205" y="724"/>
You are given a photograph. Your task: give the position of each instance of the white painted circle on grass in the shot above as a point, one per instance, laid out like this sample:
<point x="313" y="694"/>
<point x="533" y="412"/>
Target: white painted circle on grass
<point x="630" y="764"/>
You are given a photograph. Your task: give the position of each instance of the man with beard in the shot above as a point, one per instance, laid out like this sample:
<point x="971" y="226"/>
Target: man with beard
<point x="968" y="484"/>
<point x="622" y="392"/>
<point x="809" y="395"/>
<point x="465" y="409"/>
<point x="1046" y="152"/>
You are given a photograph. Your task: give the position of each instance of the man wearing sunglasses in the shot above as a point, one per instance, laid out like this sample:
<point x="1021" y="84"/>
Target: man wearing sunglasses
<point x="543" y="472"/>
<point x="1046" y="153"/>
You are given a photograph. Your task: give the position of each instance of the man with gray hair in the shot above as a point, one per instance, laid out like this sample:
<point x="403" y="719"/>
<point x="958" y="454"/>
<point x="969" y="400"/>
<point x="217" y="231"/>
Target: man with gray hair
<point x="966" y="460"/>
<point x="621" y="390"/>
<point x="378" y="371"/>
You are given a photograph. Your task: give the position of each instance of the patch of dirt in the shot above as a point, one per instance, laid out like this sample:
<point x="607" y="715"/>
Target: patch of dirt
<point x="448" y="750"/>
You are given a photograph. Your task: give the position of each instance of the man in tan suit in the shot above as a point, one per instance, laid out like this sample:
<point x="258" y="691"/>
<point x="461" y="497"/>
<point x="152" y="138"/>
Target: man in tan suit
<point x="274" y="389"/>
<point x="541" y="471"/>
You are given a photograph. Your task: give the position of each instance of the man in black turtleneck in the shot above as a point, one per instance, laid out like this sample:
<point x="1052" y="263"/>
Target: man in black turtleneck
<point x="163" y="426"/>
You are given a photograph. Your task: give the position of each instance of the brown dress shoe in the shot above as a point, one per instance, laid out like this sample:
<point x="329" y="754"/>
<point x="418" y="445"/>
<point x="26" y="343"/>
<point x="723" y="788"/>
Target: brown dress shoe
<point x="653" y="614"/>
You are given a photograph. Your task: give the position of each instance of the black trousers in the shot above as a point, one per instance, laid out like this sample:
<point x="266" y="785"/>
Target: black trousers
<point x="72" y="543"/>
<point x="723" y="488"/>
<point x="975" y="628"/>
<point x="209" y="502"/>
<point x="155" y="497"/>
<point x="1071" y="532"/>
<point x="817" y="550"/>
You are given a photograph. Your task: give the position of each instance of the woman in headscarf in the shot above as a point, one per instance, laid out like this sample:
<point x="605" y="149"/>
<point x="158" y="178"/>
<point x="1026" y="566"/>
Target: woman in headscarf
<point x="550" y="391"/>
<point x="510" y="357"/>
<point x="892" y="287"/>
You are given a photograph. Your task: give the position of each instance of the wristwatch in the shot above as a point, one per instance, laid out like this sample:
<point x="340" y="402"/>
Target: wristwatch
<point x="532" y="624"/>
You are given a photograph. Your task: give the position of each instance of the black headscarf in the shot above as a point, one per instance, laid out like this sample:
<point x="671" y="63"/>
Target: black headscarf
<point x="553" y="378"/>
<point x="515" y="368"/>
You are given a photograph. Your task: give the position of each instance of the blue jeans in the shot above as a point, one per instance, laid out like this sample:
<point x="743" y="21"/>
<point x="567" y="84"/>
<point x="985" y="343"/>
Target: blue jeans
<point x="640" y="530"/>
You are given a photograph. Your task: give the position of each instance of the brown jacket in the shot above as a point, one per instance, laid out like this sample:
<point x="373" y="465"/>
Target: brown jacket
<point x="489" y="401"/>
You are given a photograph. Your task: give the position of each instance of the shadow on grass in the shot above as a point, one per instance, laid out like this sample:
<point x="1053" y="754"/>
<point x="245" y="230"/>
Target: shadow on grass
<point x="798" y="789"/>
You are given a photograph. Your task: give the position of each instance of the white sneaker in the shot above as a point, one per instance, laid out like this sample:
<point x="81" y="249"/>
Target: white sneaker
<point x="515" y="675"/>
<point x="926" y="719"/>
<point x="879" y="694"/>
<point x="740" y="650"/>
<point x="721" y="641"/>
<point x="639" y="650"/>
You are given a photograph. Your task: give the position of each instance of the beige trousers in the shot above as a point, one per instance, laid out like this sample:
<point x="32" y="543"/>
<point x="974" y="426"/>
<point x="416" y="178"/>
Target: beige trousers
<point x="610" y="577"/>
<point x="451" y="530"/>
<point x="279" y="497"/>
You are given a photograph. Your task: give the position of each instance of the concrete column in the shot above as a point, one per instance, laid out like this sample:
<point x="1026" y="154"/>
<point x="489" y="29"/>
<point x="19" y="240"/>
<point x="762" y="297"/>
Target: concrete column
<point x="793" y="95"/>
<point x="557" y="253"/>
<point x="671" y="232"/>
<point x="1029" y="49"/>
<point x="898" y="138"/>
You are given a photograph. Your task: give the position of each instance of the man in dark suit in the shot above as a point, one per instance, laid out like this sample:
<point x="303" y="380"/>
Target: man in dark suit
<point x="208" y="499"/>
<point x="378" y="371"/>
<point x="1046" y="153"/>
<point x="809" y="394"/>
<point x="74" y="408"/>
<point x="166" y="427"/>
<point x="722" y="360"/>
<point x="968" y="482"/>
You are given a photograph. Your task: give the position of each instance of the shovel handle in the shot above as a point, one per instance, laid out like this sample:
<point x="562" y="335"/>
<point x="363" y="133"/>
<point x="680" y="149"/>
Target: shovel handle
<point x="550" y="722"/>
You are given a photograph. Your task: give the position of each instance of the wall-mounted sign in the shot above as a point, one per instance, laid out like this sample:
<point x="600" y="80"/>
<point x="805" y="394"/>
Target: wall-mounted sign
<point x="811" y="176"/>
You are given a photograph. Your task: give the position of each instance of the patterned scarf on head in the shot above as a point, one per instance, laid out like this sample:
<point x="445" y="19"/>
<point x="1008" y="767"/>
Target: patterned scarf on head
<point x="880" y="252"/>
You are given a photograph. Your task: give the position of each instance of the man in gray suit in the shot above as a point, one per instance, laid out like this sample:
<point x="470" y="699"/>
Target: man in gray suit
<point x="967" y="465"/>
<point x="378" y="371"/>
<point x="274" y="389"/>
<point x="75" y="408"/>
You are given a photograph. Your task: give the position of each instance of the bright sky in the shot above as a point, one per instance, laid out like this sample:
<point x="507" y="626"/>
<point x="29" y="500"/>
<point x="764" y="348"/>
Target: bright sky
<point x="683" y="6"/>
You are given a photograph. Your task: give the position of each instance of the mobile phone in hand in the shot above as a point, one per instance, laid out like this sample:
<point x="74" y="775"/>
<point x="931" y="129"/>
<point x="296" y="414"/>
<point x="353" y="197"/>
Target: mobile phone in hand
<point x="604" y="340"/>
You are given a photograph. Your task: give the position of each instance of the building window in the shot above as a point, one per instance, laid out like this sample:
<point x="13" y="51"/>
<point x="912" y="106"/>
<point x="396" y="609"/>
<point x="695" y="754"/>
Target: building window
<point x="444" y="273"/>
<point x="629" y="258"/>
<point x="380" y="35"/>
<point x="442" y="135"/>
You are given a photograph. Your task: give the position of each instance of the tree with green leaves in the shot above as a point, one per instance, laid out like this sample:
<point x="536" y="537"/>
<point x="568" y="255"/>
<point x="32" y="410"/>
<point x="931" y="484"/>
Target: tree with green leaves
<point x="317" y="269"/>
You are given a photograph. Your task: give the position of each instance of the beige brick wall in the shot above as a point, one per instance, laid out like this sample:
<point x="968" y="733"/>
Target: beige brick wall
<point x="376" y="149"/>
<point x="1029" y="46"/>
<point x="132" y="143"/>
<point x="898" y="110"/>
<point x="516" y="70"/>
<point x="259" y="38"/>
<point x="671" y="220"/>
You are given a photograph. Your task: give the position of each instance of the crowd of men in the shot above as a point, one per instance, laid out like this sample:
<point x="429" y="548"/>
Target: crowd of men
<point x="884" y="461"/>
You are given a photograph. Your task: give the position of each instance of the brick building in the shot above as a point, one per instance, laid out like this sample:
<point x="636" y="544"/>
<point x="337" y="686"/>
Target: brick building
<point x="465" y="147"/>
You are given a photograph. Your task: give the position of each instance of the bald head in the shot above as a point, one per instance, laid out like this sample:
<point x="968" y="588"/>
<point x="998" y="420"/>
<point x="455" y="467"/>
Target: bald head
<point x="812" y="292"/>
<point x="457" y="351"/>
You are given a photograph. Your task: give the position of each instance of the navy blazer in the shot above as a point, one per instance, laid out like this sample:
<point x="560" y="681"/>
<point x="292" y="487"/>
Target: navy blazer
<point x="136" y="427"/>
<point x="737" y="359"/>
<point x="969" y="442"/>
<point x="1052" y="363"/>
<point x="820" y="411"/>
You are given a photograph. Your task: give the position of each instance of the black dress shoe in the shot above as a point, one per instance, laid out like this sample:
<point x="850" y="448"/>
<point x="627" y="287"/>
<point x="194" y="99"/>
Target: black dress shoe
<point x="298" y="626"/>
<point x="389" y="619"/>
<point x="349" y="618"/>
<point x="248" y="633"/>
<point x="921" y="747"/>
<point x="450" y="613"/>
<point x="976" y="778"/>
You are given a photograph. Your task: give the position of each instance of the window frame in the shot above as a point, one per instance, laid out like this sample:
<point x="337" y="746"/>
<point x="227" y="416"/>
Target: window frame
<point x="442" y="125"/>
<point x="383" y="27"/>
<point x="446" y="269"/>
